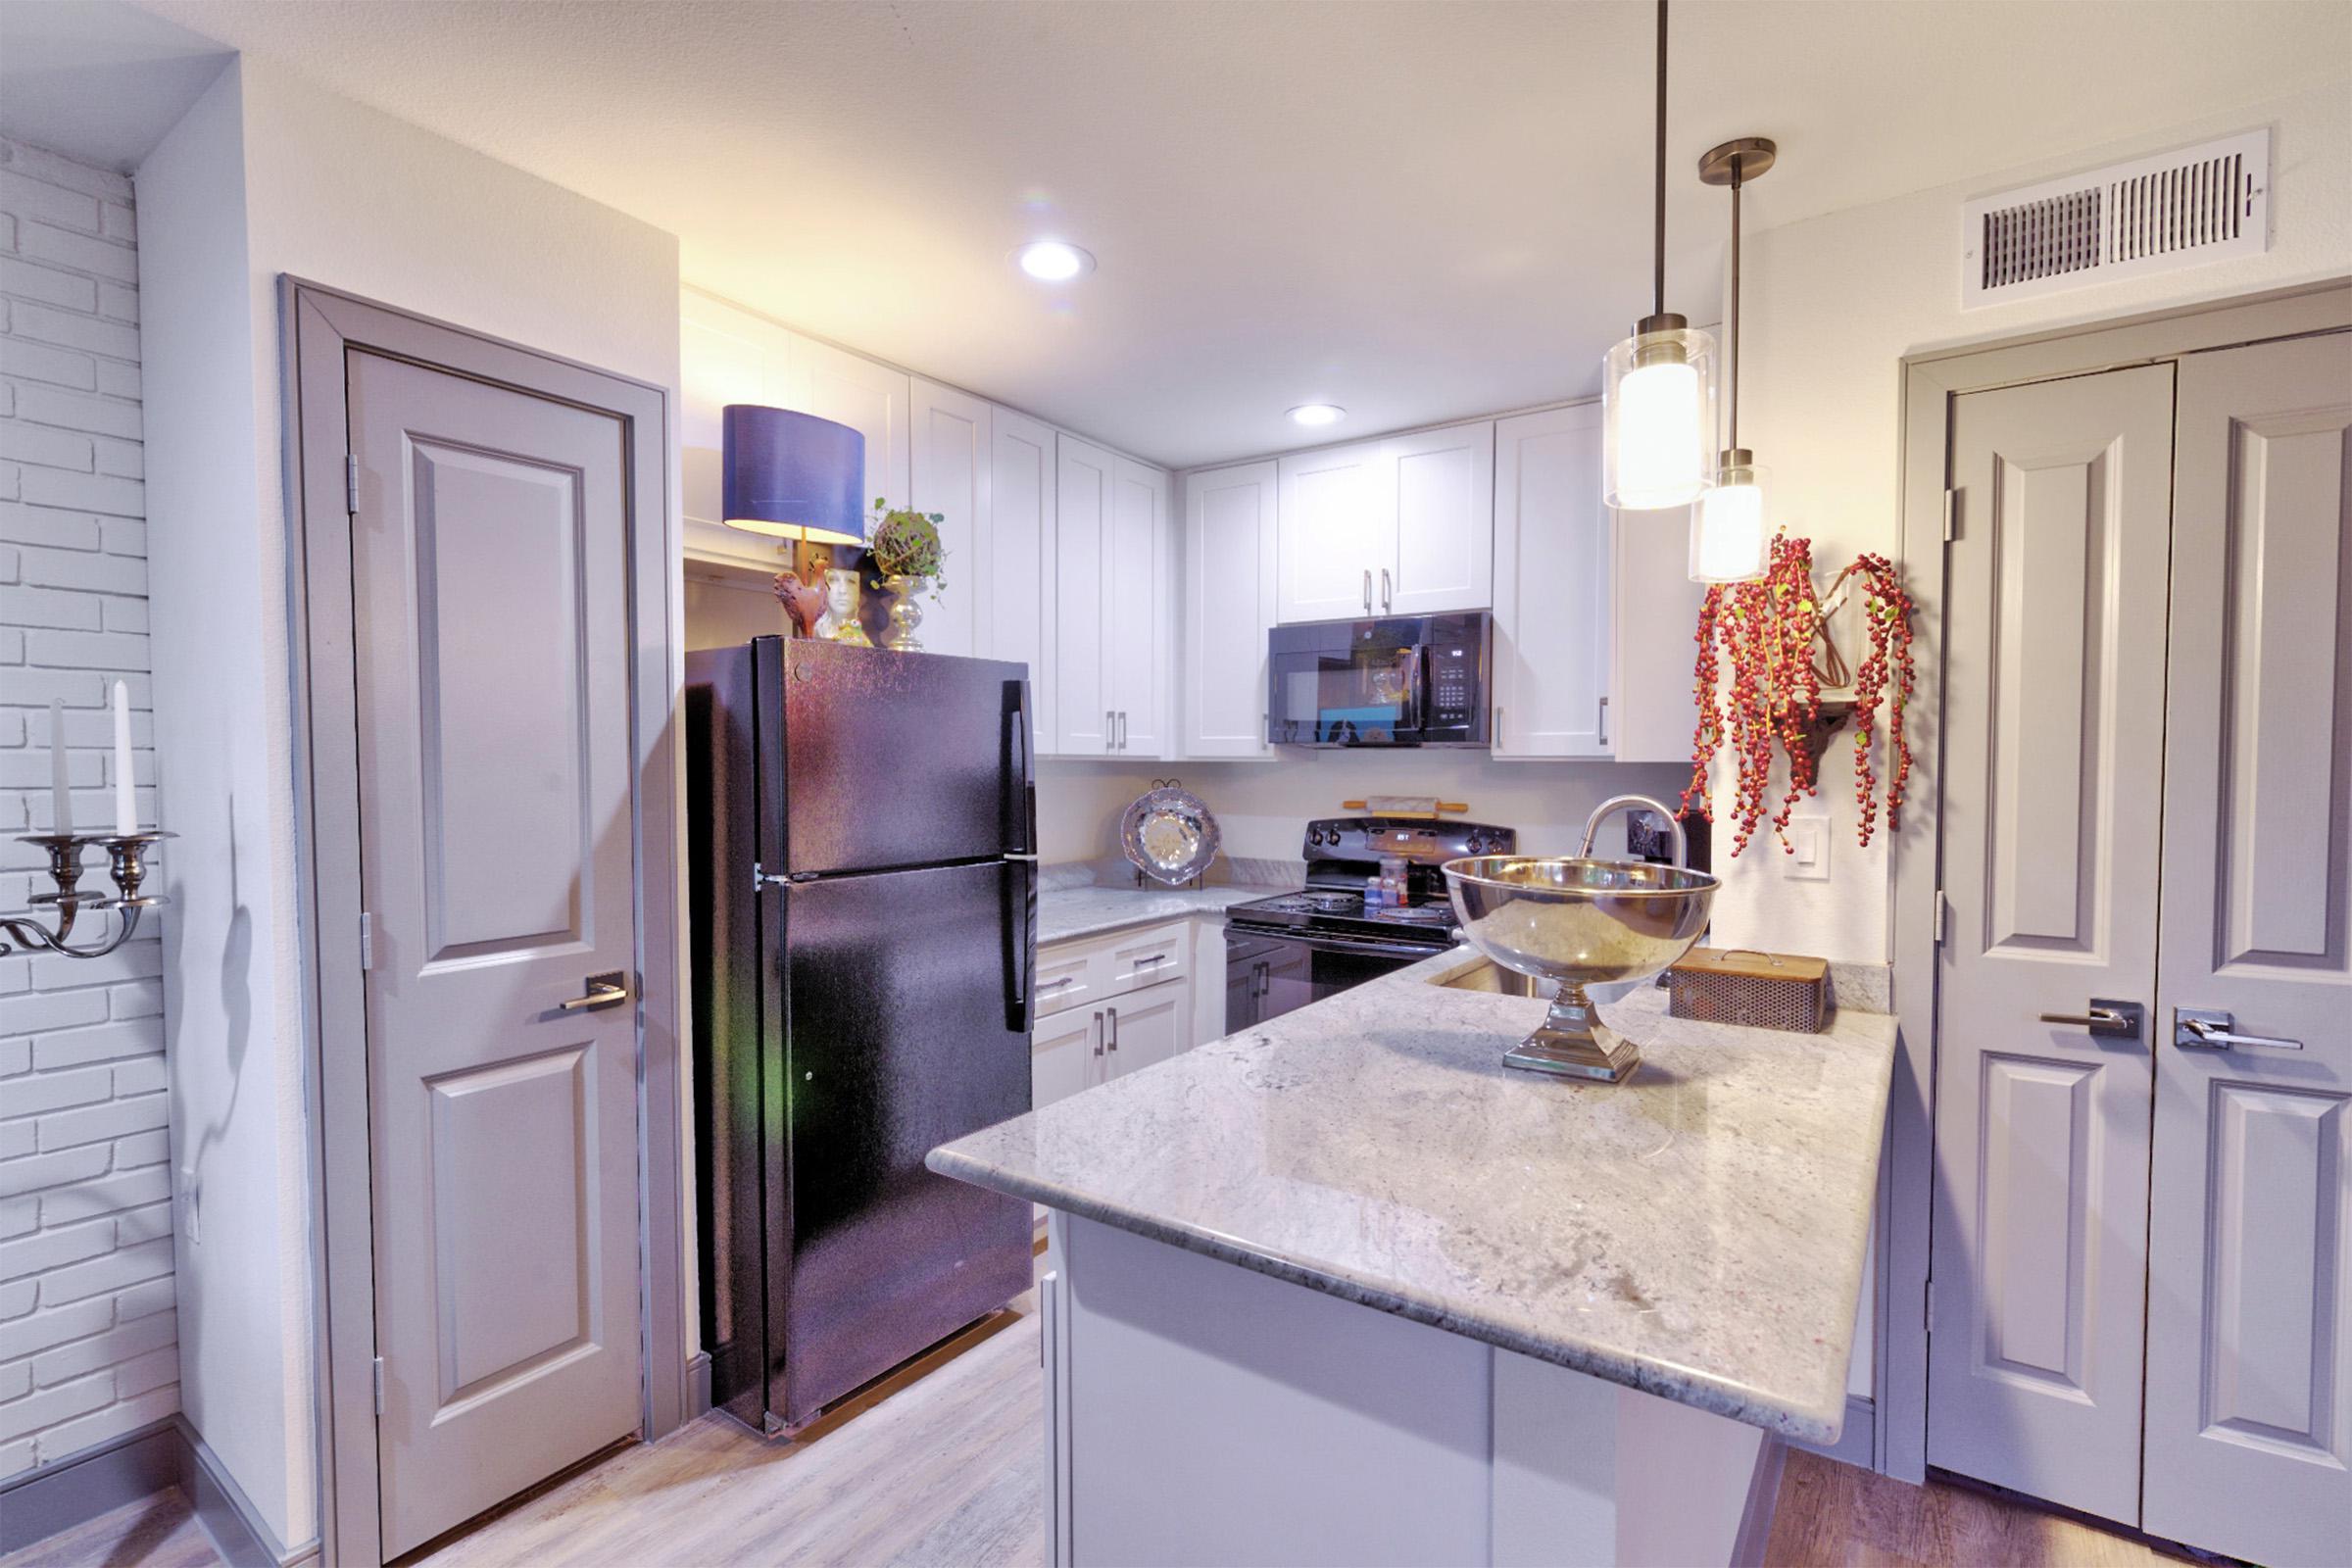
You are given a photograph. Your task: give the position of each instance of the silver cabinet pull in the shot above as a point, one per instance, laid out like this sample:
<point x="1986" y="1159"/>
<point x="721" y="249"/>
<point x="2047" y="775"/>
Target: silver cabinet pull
<point x="2113" y="1021"/>
<point x="1367" y="590"/>
<point x="1110" y="729"/>
<point x="1122" y="729"/>
<point x="2202" y="1028"/>
<point x="1114" y="1028"/>
<point x="1385" y="599"/>
<point x="606" y="990"/>
<point x="1097" y="1031"/>
<point x="1604" y="721"/>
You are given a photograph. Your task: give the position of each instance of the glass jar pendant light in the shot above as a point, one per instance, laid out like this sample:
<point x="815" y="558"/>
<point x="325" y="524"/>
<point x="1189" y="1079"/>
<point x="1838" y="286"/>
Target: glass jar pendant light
<point x="1729" y="539"/>
<point x="1658" y="385"/>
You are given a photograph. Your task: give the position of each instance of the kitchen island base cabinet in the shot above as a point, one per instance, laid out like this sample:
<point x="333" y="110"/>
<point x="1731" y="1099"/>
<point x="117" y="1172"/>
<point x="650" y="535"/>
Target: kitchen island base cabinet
<point x="1200" y="1412"/>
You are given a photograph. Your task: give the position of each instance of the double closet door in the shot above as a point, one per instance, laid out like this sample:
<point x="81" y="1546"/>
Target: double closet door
<point x="2141" y="1300"/>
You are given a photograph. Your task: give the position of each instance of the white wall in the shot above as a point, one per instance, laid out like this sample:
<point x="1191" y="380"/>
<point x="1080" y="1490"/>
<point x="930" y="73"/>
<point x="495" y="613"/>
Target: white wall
<point x="1833" y="303"/>
<point x="269" y="176"/>
<point x="87" y="1325"/>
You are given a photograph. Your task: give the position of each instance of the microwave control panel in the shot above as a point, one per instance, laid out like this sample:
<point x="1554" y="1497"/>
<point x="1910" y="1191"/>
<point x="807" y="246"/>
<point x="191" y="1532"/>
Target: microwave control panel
<point x="1452" y="684"/>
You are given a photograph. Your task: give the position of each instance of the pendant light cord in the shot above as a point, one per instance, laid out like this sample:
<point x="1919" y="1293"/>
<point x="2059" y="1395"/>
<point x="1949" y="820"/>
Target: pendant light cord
<point x="1659" y="248"/>
<point x="1733" y="408"/>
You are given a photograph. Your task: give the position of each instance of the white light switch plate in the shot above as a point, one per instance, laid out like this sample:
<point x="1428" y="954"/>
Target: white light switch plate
<point x="1809" y="836"/>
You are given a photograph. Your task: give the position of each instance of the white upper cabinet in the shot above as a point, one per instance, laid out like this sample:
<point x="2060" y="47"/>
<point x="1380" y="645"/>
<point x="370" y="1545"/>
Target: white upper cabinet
<point x="1553" y="589"/>
<point x="1443" y="484"/>
<point x="1653" y="709"/>
<point x="1229" y="604"/>
<point x="952" y="462"/>
<point x="1085" y="722"/>
<point x="1338" y="526"/>
<point x="1011" y="584"/>
<point x="1403" y="526"/>
<point x="1139" y="626"/>
<point x="870" y="398"/>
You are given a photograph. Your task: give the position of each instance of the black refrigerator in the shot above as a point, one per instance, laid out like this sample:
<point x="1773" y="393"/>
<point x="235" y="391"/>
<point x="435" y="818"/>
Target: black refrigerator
<point x="863" y="897"/>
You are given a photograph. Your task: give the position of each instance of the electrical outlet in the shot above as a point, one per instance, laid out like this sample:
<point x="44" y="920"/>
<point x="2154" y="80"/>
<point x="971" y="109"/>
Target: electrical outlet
<point x="1808" y="856"/>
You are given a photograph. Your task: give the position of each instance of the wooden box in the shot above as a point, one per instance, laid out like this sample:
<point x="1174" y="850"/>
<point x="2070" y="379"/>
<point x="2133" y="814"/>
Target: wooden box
<point x="1761" y="990"/>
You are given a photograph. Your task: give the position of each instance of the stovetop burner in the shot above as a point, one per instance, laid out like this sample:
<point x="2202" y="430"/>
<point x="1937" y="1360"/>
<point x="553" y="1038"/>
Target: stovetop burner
<point x="1333" y="902"/>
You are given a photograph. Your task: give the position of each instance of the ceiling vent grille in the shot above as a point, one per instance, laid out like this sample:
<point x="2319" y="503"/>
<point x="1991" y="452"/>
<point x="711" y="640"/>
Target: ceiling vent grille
<point x="2152" y="215"/>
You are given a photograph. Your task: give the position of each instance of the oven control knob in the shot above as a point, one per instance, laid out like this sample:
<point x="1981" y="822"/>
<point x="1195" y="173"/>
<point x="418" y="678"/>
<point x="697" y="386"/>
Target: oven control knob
<point x="1315" y="835"/>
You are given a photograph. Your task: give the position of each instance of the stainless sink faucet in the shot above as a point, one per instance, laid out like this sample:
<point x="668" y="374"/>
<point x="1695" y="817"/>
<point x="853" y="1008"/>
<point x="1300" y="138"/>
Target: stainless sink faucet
<point x="1621" y="803"/>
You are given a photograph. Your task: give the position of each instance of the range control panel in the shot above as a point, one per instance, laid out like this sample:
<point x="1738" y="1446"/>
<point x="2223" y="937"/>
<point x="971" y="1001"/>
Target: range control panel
<point x="1370" y="839"/>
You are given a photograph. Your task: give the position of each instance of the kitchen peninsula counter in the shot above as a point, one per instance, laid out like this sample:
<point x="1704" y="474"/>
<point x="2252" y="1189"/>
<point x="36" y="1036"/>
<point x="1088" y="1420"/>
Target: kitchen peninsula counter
<point x="1696" y="1233"/>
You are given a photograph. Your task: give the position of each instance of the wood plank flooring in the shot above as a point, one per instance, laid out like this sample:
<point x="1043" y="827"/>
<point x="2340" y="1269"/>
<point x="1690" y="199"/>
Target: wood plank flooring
<point x="941" y="1468"/>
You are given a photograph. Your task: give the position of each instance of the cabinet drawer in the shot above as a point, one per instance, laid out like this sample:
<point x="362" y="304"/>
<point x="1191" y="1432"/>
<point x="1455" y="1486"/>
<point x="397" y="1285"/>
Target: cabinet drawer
<point x="1066" y="976"/>
<point x="1146" y="957"/>
<point x="1072" y="974"/>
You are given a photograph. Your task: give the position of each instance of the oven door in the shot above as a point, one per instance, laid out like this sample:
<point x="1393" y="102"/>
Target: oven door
<point x="1308" y="969"/>
<point x="1344" y="683"/>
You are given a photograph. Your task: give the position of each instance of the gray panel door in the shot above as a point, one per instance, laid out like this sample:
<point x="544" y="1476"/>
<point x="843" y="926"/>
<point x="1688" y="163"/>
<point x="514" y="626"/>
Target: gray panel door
<point x="2054" y="725"/>
<point x="2249" y="1421"/>
<point x="492" y="642"/>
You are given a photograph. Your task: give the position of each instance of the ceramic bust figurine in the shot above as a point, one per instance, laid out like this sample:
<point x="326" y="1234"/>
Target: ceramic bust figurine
<point x="840" y="619"/>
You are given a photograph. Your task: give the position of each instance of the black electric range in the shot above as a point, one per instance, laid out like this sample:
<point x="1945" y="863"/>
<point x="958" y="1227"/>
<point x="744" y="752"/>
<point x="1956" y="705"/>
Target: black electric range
<point x="1283" y="951"/>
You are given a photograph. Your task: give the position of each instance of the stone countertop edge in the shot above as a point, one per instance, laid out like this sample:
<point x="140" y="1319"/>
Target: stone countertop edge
<point x="1816" y="1419"/>
<point x="1073" y="914"/>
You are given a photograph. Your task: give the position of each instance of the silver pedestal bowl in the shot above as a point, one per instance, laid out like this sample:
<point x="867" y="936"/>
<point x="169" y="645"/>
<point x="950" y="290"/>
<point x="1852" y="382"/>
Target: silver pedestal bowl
<point x="1579" y="921"/>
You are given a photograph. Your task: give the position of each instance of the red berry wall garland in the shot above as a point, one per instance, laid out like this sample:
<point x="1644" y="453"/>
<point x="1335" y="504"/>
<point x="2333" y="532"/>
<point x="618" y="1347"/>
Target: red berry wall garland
<point x="1767" y="630"/>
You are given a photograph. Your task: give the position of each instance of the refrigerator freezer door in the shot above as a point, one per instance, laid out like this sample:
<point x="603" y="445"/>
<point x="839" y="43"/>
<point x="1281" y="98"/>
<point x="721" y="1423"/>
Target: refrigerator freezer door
<point x="898" y="1037"/>
<point x="891" y="759"/>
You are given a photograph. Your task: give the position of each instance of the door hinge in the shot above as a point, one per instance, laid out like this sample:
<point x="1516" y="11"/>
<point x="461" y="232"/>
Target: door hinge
<point x="367" y="940"/>
<point x="379" y="1385"/>
<point x="1951" y="514"/>
<point x="351" y="483"/>
<point x="1944" y="918"/>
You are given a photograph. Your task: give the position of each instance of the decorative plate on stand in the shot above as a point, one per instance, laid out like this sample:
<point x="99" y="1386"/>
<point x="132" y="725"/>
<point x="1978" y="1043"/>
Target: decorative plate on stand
<point x="1168" y="834"/>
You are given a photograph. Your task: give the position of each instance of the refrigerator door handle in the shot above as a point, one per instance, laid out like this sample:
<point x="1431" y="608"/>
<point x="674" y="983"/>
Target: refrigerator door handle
<point x="1021" y="786"/>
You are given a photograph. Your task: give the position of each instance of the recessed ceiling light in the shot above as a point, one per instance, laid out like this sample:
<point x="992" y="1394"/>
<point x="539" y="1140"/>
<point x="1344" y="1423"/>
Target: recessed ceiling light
<point x="1053" y="261"/>
<point x="1318" y="414"/>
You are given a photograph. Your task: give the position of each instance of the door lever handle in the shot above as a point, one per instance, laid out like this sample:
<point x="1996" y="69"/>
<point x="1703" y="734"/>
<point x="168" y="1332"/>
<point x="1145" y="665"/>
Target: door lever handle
<point x="600" y="991"/>
<point x="2218" y="1031"/>
<point x="2110" y="1020"/>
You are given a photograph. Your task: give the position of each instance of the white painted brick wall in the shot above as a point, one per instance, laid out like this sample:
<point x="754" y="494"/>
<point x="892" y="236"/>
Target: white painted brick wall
<point x="87" y="1330"/>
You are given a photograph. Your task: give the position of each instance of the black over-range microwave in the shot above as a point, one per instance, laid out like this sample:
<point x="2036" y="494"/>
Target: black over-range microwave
<point x="1402" y="680"/>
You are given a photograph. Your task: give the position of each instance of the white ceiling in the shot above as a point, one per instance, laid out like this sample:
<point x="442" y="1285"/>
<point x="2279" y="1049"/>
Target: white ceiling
<point x="1414" y="210"/>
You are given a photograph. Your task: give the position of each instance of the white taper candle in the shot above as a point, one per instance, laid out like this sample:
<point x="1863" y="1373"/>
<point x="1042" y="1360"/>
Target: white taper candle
<point x="126" y="804"/>
<point x="61" y="789"/>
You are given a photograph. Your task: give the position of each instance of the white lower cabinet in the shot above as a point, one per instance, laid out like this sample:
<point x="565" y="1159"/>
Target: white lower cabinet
<point x="1114" y="1005"/>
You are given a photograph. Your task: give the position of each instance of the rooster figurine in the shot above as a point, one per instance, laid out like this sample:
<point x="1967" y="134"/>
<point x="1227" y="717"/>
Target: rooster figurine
<point x="802" y="602"/>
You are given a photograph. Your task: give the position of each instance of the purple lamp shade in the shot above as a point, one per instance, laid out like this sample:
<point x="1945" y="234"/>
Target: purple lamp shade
<point x="793" y="475"/>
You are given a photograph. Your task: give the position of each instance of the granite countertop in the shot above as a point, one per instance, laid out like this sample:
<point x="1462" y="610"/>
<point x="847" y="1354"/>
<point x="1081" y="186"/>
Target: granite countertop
<point x="1696" y="1232"/>
<point x="1068" y="912"/>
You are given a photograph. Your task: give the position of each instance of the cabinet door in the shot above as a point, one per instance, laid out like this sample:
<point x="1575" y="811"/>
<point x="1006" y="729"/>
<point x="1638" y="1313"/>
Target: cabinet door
<point x="1148" y="1026"/>
<point x="1064" y="1056"/>
<point x="868" y="397"/>
<point x="1012" y="587"/>
<point x="1335" y="527"/>
<point x="953" y="472"/>
<point x="1654" y="619"/>
<point x="1138" y="619"/>
<point x="1444" y="482"/>
<point x="1082" y="701"/>
<point x="1552" y="585"/>
<point x="1229" y="606"/>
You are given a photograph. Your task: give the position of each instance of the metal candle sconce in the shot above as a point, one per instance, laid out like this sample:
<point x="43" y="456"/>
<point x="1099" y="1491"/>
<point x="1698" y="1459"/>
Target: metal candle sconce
<point x="126" y="864"/>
